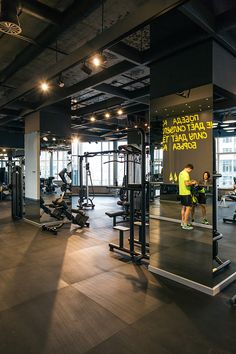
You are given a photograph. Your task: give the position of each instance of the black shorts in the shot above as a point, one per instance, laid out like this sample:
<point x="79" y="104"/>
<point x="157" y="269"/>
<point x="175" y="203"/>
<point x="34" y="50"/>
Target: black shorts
<point x="201" y="198"/>
<point x="186" y="200"/>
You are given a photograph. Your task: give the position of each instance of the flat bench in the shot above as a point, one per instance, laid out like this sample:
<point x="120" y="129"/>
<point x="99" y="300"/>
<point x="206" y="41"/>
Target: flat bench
<point x="114" y="215"/>
<point x="122" y="230"/>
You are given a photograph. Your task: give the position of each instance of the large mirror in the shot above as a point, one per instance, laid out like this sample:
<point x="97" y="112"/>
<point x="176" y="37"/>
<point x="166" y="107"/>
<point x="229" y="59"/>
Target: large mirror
<point x="55" y="179"/>
<point x="182" y="167"/>
<point x="224" y="262"/>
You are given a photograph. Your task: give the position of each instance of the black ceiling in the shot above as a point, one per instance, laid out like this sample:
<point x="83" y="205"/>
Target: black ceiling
<point x="58" y="37"/>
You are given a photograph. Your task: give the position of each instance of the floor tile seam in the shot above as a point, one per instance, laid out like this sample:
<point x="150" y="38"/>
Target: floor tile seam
<point x="107" y="339"/>
<point x="149" y="281"/>
<point x="160" y="307"/>
<point x="128" y="325"/>
<point x="92" y="276"/>
<point x="39" y="262"/>
<point x="157" y="306"/>
<point x="102" y="306"/>
<point x="34" y="298"/>
<point x="71" y="252"/>
<point x="26" y="265"/>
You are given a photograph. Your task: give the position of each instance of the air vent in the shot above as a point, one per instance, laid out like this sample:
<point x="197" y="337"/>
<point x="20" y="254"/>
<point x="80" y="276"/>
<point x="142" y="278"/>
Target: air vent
<point x="9" y="21"/>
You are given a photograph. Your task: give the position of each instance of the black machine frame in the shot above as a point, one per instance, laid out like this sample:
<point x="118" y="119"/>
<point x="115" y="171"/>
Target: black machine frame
<point x="217" y="236"/>
<point x="143" y="188"/>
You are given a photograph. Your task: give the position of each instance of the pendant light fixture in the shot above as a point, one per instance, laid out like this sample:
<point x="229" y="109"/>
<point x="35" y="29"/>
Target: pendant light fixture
<point x="98" y="59"/>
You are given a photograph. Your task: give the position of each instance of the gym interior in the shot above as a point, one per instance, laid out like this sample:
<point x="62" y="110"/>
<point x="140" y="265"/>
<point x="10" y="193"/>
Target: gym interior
<point x="104" y="106"/>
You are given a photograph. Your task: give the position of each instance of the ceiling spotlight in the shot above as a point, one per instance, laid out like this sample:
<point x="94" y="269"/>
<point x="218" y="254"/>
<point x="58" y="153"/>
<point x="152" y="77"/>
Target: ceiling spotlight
<point x="120" y="111"/>
<point x="54" y="139"/>
<point x="61" y="84"/>
<point x="44" y="86"/>
<point x="92" y="118"/>
<point x="9" y="21"/>
<point x="136" y="126"/>
<point x="86" y="69"/>
<point x="228" y="118"/>
<point x="98" y="59"/>
<point x="4" y="150"/>
<point x="107" y="115"/>
<point x="75" y="140"/>
<point x="60" y="81"/>
<point x="126" y="128"/>
<point x="145" y="124"/>
<point x="45" y="138"/>
<point x="117" y="129"/>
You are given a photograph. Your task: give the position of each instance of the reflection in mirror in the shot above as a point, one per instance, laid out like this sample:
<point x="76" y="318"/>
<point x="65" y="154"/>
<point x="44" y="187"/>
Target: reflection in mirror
<point x="181" y="211"/>
<point x="225" y="166"/>
<point x="55" y="179"/>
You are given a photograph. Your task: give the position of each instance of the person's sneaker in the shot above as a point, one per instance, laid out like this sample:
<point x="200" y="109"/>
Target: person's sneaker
<point x="205" y="221"/>
<point x="182" y="223"/>
<point x="187" y="227"/>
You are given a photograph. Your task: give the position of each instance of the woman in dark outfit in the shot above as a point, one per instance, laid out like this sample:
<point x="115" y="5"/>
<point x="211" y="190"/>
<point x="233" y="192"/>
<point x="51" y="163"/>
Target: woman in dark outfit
<point x="202" y="187"/>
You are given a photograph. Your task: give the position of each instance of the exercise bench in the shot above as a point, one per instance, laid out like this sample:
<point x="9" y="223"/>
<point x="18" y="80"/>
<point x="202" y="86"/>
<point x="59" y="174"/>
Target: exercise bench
<point x="114" y="215"/>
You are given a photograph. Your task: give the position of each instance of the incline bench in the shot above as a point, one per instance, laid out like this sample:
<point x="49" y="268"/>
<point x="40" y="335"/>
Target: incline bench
<point x="115" y="214"/>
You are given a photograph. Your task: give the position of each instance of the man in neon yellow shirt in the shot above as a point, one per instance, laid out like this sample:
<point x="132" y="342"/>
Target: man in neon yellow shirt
<point x="185" y="195"/>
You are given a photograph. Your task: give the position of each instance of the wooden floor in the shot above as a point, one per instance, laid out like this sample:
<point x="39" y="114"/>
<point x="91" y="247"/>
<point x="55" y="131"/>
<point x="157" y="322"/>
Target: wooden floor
<point x="68" y="294"/>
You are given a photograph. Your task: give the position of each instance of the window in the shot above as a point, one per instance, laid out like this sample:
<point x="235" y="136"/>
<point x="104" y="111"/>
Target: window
<point x="121" y="166"/>
<point x="45" y="157"/>
<point x="158" y="161"/>
<point x="227" y="140"/>
<point x="100" y="166"/>
<point x="60" y="159"/>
